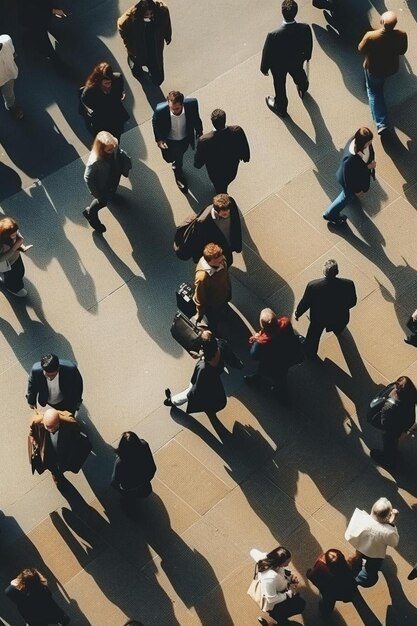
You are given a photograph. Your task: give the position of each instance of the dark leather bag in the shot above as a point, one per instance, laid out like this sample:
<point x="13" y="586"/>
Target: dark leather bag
<point x="376" y="405"/>
<point x="186" y="333"/>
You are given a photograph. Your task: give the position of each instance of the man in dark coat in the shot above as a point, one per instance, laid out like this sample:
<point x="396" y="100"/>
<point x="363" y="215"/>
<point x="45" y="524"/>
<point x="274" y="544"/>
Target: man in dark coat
<point x="145" y="28"/>
<point x="219" y="223"/>
<point x="221" y="150"/>
<point x="35" y="18"/>
<point x="329" y="300"/>
<point x="176" y="124"/>
<point x="285" y="50"/>
<point x="60" y="444"/>
<point x="56" y="382"/>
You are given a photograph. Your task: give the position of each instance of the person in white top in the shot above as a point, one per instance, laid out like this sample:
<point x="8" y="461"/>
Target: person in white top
<point x="279" y="586"/>
<point x="8" y="74"/>
<point x="371" y="535"/>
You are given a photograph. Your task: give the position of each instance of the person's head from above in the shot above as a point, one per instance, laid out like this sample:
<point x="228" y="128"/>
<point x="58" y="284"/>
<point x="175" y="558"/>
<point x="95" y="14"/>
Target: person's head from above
<point x="102" y="76"/>
<point x="30" y="580"/>
<point x="209" y="344"/>
<point x="175" y="101"/>
<point x="50" y="365"/>
<point x="8" y="230"/>
<point x="129" y="445"/>
<point x="382" y="510"/>
<point x="145" y="10"/>
<point x="268" y="320"/>
<point x="362" y="139"/>
<point x="221" y="205"/>
<point x="218" y="119"/>
<point x="104" y="144"/>
<point x="335" y="559"/>
<point x="289" y="10"/>
<point x="388" y="20"/>
<point x="330" y="268"/>
<point x="406" y="389"/>
<point x="279" y="557"/>
<point x="213" y="254"/>
<point x="51" y="420"/>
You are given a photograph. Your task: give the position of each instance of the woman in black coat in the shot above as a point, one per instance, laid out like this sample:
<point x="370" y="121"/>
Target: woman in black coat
<point x="276" y="348"/>
<point x="354" y="174"/>
<point x="397" y="419"/>
<point x="334" y="577"/>
<point x="102" y="99"/>
<point x="29" y="592"/>
<point x="134" y="467"/>
<point x="205" y="393"/>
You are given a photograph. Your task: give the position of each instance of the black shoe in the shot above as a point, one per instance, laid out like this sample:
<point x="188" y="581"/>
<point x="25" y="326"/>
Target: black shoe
<point x="340" y="221"/>
<point x="413" y="574"/>
<point x="95" y="224"/>
<point x="182" y="185"/>
<point x="380" y="459"/>
<point x="167" y="401"/>
<point x="411" y="341"/>
<point x="270" y="103"/>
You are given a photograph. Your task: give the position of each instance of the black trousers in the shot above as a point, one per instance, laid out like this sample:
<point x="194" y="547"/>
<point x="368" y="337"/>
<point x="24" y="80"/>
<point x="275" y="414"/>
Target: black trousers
<point x="175" y="154"/>
<point x="390" y="446"/>
<point x="156" y="73"/>
<point x="280" y="77"/>
<point x="13" y="279"/>
<point x="315" y="330"/>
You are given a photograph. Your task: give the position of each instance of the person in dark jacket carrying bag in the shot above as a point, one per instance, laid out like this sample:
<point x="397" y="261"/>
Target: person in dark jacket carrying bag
<point x="397" y="419"/>
<point x="134" y="467"/>
<point x="354" y="174"/>
<point x="334" y="577"/>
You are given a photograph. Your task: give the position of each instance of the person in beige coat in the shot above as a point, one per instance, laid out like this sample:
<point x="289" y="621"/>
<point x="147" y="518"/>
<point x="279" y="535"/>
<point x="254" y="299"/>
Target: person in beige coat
<point x="145" y="28"/>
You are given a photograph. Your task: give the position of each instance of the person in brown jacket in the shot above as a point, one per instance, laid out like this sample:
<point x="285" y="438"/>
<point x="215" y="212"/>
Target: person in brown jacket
<point x="382" y="49"/>
<point x="145" y="28"/>
<point x="212" y="285"/>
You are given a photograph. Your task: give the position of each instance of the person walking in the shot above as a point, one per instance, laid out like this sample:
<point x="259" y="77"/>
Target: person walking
<point x="397" y="420"/>
<point x="55" y="382"/>
<point x="176" y="123"/>
<point x="8" y="74"/>
<point x="145" y="28"/>
<point x="221" y="151"/>
<point x="382" y="49"/>
<point x="276" y="348"/>
<point x="11" y="263"/>
<point x="213" y="288"/>
<point x="411" y="339"/>
<point x="354" y="174"/>
<point x="101" y="100"/>
<point x="106" y="164"/>
<point x="57" y="444"/>
<point x="36" y="20"/>
<point x="285" y="51"/>
<point x="329" y="300"/>
<point x="334" y="577"/>
<point x="370" y="535"/>
<point x="134" y="467"/>
<point x="30" y="593"/>
<point x="279" y="586"/>
<point x="205" y="393"/>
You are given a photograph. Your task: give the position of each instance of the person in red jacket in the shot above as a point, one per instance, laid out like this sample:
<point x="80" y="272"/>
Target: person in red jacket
<point x="334" y="577"/>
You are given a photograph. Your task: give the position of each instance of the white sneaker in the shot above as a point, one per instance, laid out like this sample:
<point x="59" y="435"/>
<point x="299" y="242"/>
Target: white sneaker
<point x="19" y="294"/>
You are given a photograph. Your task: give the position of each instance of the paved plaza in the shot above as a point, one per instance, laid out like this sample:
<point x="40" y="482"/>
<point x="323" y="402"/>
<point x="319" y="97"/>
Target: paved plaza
<point x="264" y="474"/>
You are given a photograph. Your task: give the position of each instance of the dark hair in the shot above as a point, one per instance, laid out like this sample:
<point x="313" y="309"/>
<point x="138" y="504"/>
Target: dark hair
<point x="129" y="445"/>
<point x="274" y="559"/>
<point x="30" y="580"/>
<point x="335" y="559"/>
<point x="289" y="10"/>
<point x="142" y="6"/>
<point x="102" y="71"/>
<point x="176" y="97"/>
<point x="362" y="136"/>
<point x="50" y="363"/>
<point x="218" y="119"/>
<point x="406" y="389"/>
<point x="330" y="268"/>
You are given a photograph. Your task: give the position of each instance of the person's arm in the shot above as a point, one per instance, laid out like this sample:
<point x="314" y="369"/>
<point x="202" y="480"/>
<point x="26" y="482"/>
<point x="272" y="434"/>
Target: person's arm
<point x="265" y="61"/>
<point x="403" y="44"/>
<point x="200" y="297"/>
<point x="362" y="43"/>
<point x="168" y="27"/>
<point x="199" y="156"/>
<point x="304" y="304"/>
<point x="32" y="391"/>
<point x="91" y="178"/>
<point x="78" y="388"/>
<point x="353" y="296"/>
<point x="256" y="351"/>
<point x="198" y="124"/>
<point x="124" y="26"/>
<point x="9" y="253"/>
<point x="308" y="44"/>
<point x="156" y="125"/>
<point x="244" y="147"/>
<point x="272" y="596"/>
<point x="356" y="175"/>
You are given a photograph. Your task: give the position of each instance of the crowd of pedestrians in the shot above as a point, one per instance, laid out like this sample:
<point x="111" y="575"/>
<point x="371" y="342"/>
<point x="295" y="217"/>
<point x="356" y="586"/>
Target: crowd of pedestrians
<point x="57" y="443"/>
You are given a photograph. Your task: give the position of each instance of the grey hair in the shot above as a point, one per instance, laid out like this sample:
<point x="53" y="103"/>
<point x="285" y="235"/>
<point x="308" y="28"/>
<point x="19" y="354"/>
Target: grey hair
<point x="330" y="268"/>
<point x="382" y="510"/>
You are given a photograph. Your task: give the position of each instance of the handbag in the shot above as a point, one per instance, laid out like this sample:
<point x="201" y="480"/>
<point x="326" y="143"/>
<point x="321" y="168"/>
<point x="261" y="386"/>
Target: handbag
<point x="186" y="333"/>
<point x="255" y="591"/>
<point x="376" y="405"/>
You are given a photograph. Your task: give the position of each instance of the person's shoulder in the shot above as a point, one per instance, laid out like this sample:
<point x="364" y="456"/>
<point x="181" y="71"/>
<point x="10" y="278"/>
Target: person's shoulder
<point x="36" y="367"/>
<point x="161" y="107"/>
<point x="189" y="100"/>
<point x="162" y="7"/>
<point x="67" y="364"/>
<point x="207" y="136"/>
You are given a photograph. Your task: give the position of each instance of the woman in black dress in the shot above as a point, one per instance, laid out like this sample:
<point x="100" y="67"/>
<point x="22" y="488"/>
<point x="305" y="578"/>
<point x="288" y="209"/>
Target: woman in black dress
<point x="102" y="98"/>
<point x="134" y="467"/>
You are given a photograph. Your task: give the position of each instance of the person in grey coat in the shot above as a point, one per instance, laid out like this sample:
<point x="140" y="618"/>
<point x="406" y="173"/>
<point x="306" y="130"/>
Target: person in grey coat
<point x="105" y="165"/>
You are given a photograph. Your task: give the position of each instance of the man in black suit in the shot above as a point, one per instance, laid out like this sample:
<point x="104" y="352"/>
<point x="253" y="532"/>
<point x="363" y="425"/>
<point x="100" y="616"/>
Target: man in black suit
<point x="221" y="150"/>
<point x="176" y="123"/>
<point x="219" y="223"/>
<point x="329" y="300"/>
<point x="56" y="382"/>
<point x="284" y="52"/>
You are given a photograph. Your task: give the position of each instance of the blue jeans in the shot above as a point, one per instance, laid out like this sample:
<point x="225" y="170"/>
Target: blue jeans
<point x="375" y="89"/>
<point x="368" y="576"/>
<point x="333" y="212"/>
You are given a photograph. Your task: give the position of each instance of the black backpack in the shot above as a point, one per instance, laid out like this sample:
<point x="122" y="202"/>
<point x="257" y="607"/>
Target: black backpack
<point x="186" y="238"/>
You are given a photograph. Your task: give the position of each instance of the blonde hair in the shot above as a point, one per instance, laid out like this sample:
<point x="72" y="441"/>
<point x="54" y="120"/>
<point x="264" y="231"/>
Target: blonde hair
<point x="103" y="139"/>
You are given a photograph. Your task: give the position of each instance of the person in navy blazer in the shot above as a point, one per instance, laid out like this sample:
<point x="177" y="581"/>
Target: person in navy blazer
<point x="284" y="52"/>
<point x="176" y="125"/>
<point x="56" y="382"/>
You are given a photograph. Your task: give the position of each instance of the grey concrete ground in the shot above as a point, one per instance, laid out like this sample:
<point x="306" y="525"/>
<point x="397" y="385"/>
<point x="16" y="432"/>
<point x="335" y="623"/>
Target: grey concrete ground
<point x="264" y="474"/>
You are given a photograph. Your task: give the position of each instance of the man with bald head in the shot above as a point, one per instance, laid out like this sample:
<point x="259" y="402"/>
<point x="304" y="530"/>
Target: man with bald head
<point x="382" y="49"/>
<point x="59" y="443"/>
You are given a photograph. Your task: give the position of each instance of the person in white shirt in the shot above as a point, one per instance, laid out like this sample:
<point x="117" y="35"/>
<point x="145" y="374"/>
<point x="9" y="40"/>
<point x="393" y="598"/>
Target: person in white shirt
<point x="279" y="586"/>
<point x="8" y="74"/>
<point x="371" y="535"/>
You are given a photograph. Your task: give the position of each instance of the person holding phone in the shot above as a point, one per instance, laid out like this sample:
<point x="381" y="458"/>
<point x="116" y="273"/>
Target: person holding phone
<point x="11" y="264"/>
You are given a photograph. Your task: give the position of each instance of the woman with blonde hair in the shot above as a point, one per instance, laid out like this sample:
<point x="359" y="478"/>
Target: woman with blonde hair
<point x="11" y="264"/>
<point x="29" y="592"/>
<point x="105" y="165"/>
<point x="101" y="101"/>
